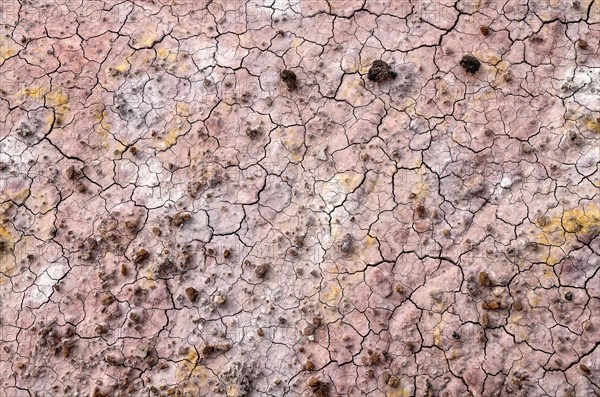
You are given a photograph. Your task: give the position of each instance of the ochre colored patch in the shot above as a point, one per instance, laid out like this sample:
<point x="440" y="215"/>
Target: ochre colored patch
<point x="592" y="125"/>
<point x="559" y="230"/>
<point x="332" y="293"/>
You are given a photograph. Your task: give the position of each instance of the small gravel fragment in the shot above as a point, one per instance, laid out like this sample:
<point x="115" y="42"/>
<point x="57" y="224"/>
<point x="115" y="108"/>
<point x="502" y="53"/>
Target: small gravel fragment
<point x="289" y="78"/>
<point x="470" y="64"/>
<point x="380" y="71"/>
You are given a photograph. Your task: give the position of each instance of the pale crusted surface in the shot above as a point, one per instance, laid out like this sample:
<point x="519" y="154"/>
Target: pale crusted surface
<point x="176" y="220"/>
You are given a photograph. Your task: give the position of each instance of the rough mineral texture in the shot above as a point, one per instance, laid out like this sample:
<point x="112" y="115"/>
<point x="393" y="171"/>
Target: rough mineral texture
<point x="212" y="198"/>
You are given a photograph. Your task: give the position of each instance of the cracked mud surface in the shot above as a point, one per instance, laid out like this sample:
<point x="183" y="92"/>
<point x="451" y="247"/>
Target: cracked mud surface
<point x="305" y="198"/>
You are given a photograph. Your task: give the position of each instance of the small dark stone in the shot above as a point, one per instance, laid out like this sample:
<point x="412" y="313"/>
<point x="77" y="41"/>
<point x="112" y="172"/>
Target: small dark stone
<point x="381" y="71"/>
<point x="569" y="296"/>
<point x="140" y="256"/>
<point x="346" y="246"/>
<point x="191" y="294"/>
<point x="72" y="172"/>
<point x="289" y="78"/>
<point x="470" y="64"/>
<point x="455" y="335"/>
<point x="253" y="133"/>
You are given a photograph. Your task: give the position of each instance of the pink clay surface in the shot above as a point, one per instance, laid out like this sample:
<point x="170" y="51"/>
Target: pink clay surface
<point x="178" y="219"/>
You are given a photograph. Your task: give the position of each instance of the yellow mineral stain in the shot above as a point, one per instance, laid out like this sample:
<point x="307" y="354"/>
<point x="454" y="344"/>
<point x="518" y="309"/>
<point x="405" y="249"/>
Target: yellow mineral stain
<point x="370" y="242"/>
<point x="57" y="98"/>
<point x="351" y="90"/>
<point x="490" y="57"/>
<point x="397" y="393"/>
<point x="501" y="68"/>
<point x="421" y="188"/>
<point x="162" y="53"/>
<point x="296" y="42"/>
<point x="123" y="66"/>
<point x="437" y="336"/>
<point x="7" y="261"/>
<point x="475" y="6"/>
<point x="582" y="220"/>
<point x="295" y="156"/>
<point x="5" y="53"/>
<point x="171" y="138"/>
<point x="148" y="280"/>
<point x="35" y="92"/>
<point x="592" y="125"/>
<point x="559" y="230"/>
<point x="148" y="39"/>
<point x="60" y="102"/>
<point x="192" y="377"/>
<point x="349" y="180"/>
<point x="292" y="139"/>
<point x="332" y="293"/>
<point x="182" y="109"/>
<point x="104" y="127"/>
<point x="534" y="301"/>
<point x="17" y="196"/>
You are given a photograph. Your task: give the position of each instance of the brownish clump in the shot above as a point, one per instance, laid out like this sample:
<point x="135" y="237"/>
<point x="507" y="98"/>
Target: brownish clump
<point x="101" y="329"/>
<point x="123" y="270"/>
<point x="584" y="368"/>
<point x="136" y="317"/>
<point x="66" y="351"/>
<point x="319" y="388"/>
<point x="207" y="350"/>
<point x="485" y="320"/>
<point x="191" y="294"/>
<point x="140" y="256"/>
<point x="399" y="288"/>
<point x="518" y="306"/>
<point x="71" y="172"/>
<point x="261" y="270"/>
<point x="421" y="211"/>
<point x="226" y="254"/>
<point x="106" y="299"/>
<point x="582" y="44"/>
<point x="309" y="366"/>
<point x="131" y="225"/>
<point x="484" y="30"/>
<point x="380" y="71"/>
<point x="180" y="218"/>
<point x="393" y="382"/>
<point x="98" y="393"/>
<point x="289" y="78"/>
<point x="492" y="304"/>
<point x="260" y="332"/>
<point x="484" y="279"/>
<point x="374" y="358"/>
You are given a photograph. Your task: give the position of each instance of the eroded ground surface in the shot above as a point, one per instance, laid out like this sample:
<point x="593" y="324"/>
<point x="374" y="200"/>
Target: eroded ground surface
<point x="220" y="198"/>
